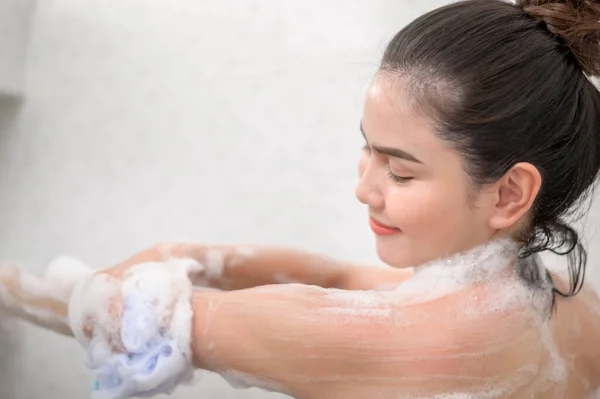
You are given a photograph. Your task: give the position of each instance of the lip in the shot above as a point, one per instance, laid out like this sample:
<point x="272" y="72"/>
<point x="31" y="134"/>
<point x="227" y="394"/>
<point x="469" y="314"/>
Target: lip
<point x="382" y="229"/>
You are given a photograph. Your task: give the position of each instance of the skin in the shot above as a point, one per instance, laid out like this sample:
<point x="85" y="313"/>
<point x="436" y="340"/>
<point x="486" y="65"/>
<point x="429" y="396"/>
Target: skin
<point x="425" y="194"/>
<point x="266" y="266"/>
<point x="340" y="333"/>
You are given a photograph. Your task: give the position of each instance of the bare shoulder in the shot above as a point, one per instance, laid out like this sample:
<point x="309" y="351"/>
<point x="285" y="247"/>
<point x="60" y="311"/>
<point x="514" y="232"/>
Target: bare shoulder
<point x="578" y="316"/>
<point x="480" y="330"/>
<point x="576" y="327"/>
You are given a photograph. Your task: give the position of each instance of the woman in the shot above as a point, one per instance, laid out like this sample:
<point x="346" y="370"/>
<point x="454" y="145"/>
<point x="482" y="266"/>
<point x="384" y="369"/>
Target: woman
<point x="481" y="135"/>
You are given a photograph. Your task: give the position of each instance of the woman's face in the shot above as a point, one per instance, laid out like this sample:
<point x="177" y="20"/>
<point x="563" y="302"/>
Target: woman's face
<point x="414" y="184"/>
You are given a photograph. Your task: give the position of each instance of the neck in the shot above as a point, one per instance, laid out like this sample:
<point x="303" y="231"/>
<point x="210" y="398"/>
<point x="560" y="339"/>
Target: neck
<point x="481" y="262"/>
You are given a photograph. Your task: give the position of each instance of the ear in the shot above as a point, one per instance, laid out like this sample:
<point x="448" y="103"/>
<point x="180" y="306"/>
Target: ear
<point x="515" y="195"/>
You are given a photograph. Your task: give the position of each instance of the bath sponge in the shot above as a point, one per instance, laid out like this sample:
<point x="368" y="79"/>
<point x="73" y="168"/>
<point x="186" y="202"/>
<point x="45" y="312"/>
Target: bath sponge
<point x="136" y="329"/>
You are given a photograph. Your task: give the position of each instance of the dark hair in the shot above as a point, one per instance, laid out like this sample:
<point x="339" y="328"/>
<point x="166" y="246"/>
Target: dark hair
<point x="506" y="83"/>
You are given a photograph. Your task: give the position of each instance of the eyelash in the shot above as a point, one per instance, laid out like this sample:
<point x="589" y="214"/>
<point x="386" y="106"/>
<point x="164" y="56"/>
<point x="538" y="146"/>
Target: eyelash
<point x="396" y="178"/>
<point x="399" y="179"/>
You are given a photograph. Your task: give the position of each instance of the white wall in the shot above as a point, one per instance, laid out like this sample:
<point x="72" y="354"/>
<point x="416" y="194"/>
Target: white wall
<point x="15" y="29"/>
<point x="146" y="120"/>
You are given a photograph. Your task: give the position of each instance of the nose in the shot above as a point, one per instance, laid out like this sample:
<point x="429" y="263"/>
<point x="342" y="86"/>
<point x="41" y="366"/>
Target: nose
<point x="366" y="190"/>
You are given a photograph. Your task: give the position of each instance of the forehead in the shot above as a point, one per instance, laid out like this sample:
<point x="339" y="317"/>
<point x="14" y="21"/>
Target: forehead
<point x="390" y="119"/>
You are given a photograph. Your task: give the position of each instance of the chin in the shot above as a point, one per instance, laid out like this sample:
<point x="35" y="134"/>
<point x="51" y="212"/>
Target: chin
<point x="393" y="253"/>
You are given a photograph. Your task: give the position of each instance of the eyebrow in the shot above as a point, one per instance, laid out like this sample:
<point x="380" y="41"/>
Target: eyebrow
<point x="392" y="152"/>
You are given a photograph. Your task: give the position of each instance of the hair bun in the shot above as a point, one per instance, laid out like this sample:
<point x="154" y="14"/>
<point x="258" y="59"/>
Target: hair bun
<point x="577" y="22"/>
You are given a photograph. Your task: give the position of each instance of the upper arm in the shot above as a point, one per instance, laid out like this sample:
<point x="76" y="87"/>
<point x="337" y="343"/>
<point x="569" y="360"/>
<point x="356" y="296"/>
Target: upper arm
<point x="311" y="341"/>
<point x="299" y="338"/>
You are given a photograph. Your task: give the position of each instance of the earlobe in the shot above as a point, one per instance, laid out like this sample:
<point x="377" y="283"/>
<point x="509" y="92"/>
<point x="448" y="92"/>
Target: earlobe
<point x="517" y="191"/>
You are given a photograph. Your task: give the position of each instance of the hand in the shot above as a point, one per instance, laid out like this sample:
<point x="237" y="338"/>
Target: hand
<point x="134" y="320"/>
<point x="42" y="300"/>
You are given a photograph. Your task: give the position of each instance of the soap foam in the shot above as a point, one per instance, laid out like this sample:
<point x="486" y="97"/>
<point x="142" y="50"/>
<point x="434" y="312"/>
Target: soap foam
<point x="42" y="300"/>
<point x="463" y="327"/>
<point x="471" y="311"/>
<point x="63" y="274"/>
<point x="214" y="262"/>
<point x="241" y="254"/>
<point x="137" y="329"/>
<point x="239" y="380"/>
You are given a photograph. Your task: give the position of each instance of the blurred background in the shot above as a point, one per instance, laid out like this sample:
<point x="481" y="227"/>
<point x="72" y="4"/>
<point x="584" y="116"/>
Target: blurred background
<point x="127" y="123"/>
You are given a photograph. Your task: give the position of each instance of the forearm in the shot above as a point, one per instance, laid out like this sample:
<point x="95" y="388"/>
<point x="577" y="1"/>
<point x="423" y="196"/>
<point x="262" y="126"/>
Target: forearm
<point x="233" y="267"/>
<point x="230" y="267"/>
<point x="247" y="267"/>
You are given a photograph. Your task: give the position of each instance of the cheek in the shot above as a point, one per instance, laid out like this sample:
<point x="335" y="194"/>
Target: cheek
<point x="428" y="207"/>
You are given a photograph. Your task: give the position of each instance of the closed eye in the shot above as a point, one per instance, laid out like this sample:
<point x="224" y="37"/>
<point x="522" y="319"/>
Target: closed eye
<point x="399" y="179"/>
